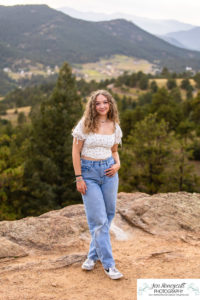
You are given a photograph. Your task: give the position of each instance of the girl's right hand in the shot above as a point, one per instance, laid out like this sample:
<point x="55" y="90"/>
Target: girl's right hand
<point x="81" y="186"/>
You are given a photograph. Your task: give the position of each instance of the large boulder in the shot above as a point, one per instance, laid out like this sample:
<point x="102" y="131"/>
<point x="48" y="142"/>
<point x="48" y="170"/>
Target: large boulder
<point x="58" y="229"/>
<point x="173" y="215"/>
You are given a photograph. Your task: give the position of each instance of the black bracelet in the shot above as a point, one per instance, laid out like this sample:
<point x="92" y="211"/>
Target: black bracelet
<point x="78" y="175"/>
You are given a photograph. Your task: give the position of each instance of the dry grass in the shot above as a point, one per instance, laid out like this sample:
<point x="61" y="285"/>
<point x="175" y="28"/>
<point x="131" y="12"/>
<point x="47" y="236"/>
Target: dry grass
<point x="162" y="82"/>
<point x="112" y="67"/>
<point x="12" y="115"/>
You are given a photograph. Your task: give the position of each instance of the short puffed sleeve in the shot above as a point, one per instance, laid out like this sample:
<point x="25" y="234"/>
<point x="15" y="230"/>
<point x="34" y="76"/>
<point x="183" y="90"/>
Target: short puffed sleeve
<point x="77" y="132"/>
<point x="118" y="135"/>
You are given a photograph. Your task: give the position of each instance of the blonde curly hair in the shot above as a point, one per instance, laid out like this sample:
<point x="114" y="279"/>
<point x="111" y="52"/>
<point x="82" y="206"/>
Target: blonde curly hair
<point x="90" y="114"/>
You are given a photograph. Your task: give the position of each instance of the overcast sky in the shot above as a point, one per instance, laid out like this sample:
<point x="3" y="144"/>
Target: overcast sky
<point x="182" y="10"/>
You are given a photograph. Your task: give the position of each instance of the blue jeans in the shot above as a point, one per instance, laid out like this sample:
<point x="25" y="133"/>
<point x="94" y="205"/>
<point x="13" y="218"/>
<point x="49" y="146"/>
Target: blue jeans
<point x="100" y="205"/>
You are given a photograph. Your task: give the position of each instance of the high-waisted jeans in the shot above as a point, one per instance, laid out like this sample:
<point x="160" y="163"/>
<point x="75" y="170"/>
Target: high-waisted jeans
<point x="100" y="206"/>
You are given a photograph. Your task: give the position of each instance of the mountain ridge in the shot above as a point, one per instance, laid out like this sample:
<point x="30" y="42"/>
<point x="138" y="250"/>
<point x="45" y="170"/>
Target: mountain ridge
<point x="188" y="38"/>
<point x="154" y="26"/>
<point x="40" y="34"/>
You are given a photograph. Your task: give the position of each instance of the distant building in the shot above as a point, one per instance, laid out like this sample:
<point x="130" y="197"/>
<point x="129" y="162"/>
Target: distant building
<point x="7" y="70"/>
<point x="188" y="68"/>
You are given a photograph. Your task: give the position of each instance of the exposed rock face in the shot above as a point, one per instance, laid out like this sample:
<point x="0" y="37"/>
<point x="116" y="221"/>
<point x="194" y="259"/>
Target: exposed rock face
<point x="173" y="215"/>
<point x="10" y="249"/>
<point x="55" y="230"/>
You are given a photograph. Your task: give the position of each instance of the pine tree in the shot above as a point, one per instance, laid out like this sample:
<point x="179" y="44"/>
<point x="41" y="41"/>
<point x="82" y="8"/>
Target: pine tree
<point x="158" y="160"/>
<point x="171" y="83"/>
<point x="197" y="80"/>
<point x="148" y="151"/>
<point x="183" y="172"/>
<point x="49" y="170"/>
<point x="166" y="108"/>
<point x="154" y="86"/>
<point x="11" y="171"/>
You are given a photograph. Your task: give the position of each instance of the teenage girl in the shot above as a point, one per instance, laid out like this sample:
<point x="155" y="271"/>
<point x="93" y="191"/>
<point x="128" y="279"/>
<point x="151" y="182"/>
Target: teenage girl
<point x="96" y="163"/>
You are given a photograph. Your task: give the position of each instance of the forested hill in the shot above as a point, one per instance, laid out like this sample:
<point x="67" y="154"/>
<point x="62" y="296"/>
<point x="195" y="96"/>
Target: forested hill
<point x="38" y="33"/>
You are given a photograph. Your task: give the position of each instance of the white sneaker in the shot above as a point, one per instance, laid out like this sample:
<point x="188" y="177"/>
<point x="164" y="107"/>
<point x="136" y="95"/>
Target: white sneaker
<point x="88" y="264"/>
<point x="113" y="273"/>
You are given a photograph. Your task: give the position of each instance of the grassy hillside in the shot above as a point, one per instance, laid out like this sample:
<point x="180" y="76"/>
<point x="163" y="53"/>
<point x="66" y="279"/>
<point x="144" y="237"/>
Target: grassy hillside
<point x="112" y="67"/>
<point x="12" y="114"/>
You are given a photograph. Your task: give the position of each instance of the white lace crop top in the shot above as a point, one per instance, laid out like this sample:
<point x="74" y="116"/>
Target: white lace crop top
<point x="97" y="145"/>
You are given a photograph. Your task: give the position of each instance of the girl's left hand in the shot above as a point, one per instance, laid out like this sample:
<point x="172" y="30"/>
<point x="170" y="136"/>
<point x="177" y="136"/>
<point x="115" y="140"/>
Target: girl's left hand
<point x="112" y="170"/>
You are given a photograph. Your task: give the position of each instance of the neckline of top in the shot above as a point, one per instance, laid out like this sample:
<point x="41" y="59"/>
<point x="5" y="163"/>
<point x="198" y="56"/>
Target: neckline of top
<point x="103" y="134"/>
<point x="107" y="134"/>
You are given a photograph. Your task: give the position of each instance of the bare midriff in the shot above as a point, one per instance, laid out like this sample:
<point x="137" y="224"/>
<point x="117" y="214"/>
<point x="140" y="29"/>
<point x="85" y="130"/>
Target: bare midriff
<point x="89" y="158"/>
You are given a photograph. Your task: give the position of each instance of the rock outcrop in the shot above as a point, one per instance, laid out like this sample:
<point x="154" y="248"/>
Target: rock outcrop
<point x="51" y="231"/>
<point x="173" y="215"/>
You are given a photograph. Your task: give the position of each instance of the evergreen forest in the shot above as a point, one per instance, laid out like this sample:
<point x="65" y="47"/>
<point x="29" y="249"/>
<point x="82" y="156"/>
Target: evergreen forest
<point x="160" y="146"/>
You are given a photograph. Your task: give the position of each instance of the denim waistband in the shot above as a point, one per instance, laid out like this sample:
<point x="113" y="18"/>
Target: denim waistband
<point x="97" y="162"/>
